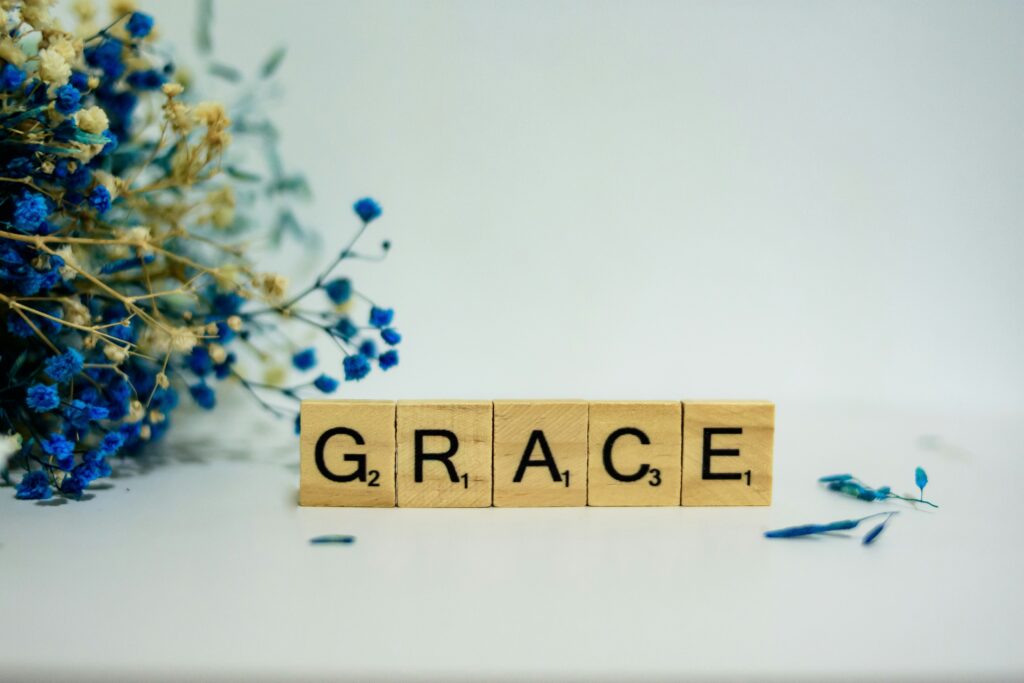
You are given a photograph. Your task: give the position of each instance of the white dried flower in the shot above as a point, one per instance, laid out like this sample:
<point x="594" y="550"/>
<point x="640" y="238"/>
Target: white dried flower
<point x="55" y="70"/>
<point x="92" y="120"/>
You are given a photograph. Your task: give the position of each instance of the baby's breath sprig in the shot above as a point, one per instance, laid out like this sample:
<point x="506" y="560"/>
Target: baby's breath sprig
<point x="124" y="278"/>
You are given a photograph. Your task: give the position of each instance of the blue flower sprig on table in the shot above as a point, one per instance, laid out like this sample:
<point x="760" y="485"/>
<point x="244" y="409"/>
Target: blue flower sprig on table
<point x="123" y="279"/>
<point x="849" y="485"/>
<point x="841" y="525"/>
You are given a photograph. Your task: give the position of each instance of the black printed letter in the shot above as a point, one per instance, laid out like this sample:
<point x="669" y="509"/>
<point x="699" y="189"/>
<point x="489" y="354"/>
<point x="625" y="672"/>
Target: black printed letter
<point x="710" y="452"/>
<point x="359" y="458"/>
<point x="537" y="437"/>
<point x="609" y="466"/>
<point x="420" y="456"/>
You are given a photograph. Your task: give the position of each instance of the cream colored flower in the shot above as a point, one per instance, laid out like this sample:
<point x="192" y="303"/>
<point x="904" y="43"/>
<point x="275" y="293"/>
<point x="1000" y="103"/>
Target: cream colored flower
<point x="69" y="49"/>
<point x="273" y="285"/>
<point x="275" y="376"/>
<point x="136" y="411"/>
<point x="222" y="205"/>
<point x="119" y="8"/>
<point x="75" y="311"/>
<point x="172" y="89"/>
<point x="139" y="235"/>
<point x="9" y="445"/>
<point x="179" y="116"/>
<point x="115" y="353"/>
<point x="84" y="9"/>
<point x="54" y="68"/>
<point x="92" y="120"/>
<point x="10" y="52"/>
<point x="183" y="339"/>
<point x="162" y="381"/>
<point x="37" y="13"/>
<point x="218" y="354"/>
<point x="71" y="267"/>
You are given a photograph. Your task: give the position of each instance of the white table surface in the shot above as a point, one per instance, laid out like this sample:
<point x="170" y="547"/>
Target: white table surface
<point x="202" y="567"/>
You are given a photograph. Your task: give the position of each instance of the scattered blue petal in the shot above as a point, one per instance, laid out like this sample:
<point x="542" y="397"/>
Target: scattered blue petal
<point x="333" y="538"/>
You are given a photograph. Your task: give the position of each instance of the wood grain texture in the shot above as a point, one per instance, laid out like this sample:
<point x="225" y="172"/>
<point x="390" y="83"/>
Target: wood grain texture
<point x="531" y="431"/>
<point x="723" y="441"/>
<point x="461" y="428"/>
<point x="370" y="465"/>
<point x="654" y="469"/>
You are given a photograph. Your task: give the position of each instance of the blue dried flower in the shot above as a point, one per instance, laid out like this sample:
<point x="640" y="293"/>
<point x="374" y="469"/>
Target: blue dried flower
<point x="390" y="336"/>
<point x="368" y="348"/>
<point x="42" y="398"/>
<point x="326" y="384"/>
<point x="106" y="56"/>
<point x="58" y="446"/>
<point x="63" y="367"/>
<point x="73" y="485"/>
<point x="79" y="414"/>
<point x="345" y="329"/>
<point x="110" y="444"/>
<point x="99" y="199"/>
<point x="367" y="209"/>
<point x="67" y="100"/>
<point x="35" y="485"/>
<point x="339" y="291"/>
<point x="199" y="361"/>
<point x="30" y="210"/>
<point x="140" y="24"/>
<point x="204" y="396"/>
<point x="80" y="81"/>
<point x="388" y="359"/>
<point x="87" y="472"/>
<point x="148" y="79"/>
<point x="356" y="366"/>
<point x="381" y="317"/>
<point x="11" y="78"/>
<point x="304" y="359"/>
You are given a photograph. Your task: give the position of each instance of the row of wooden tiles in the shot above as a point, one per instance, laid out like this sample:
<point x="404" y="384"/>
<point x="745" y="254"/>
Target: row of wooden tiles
<point x="535" y="453"/>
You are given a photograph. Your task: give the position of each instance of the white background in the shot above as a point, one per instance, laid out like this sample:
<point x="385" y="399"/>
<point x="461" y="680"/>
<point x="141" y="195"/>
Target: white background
<point x="816" y="203"/>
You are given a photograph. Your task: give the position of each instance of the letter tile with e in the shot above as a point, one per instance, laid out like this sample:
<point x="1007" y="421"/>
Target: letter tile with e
<point x="727" y="452"/>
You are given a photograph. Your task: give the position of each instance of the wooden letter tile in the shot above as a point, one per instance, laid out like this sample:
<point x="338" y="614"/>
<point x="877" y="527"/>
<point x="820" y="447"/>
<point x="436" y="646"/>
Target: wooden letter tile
<point x="540" y="453"/>
<point x="636" y="454"/>
<point x="444" y="453"/>
<point x="347" y="453"/>
<point x="727" y="452"/>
